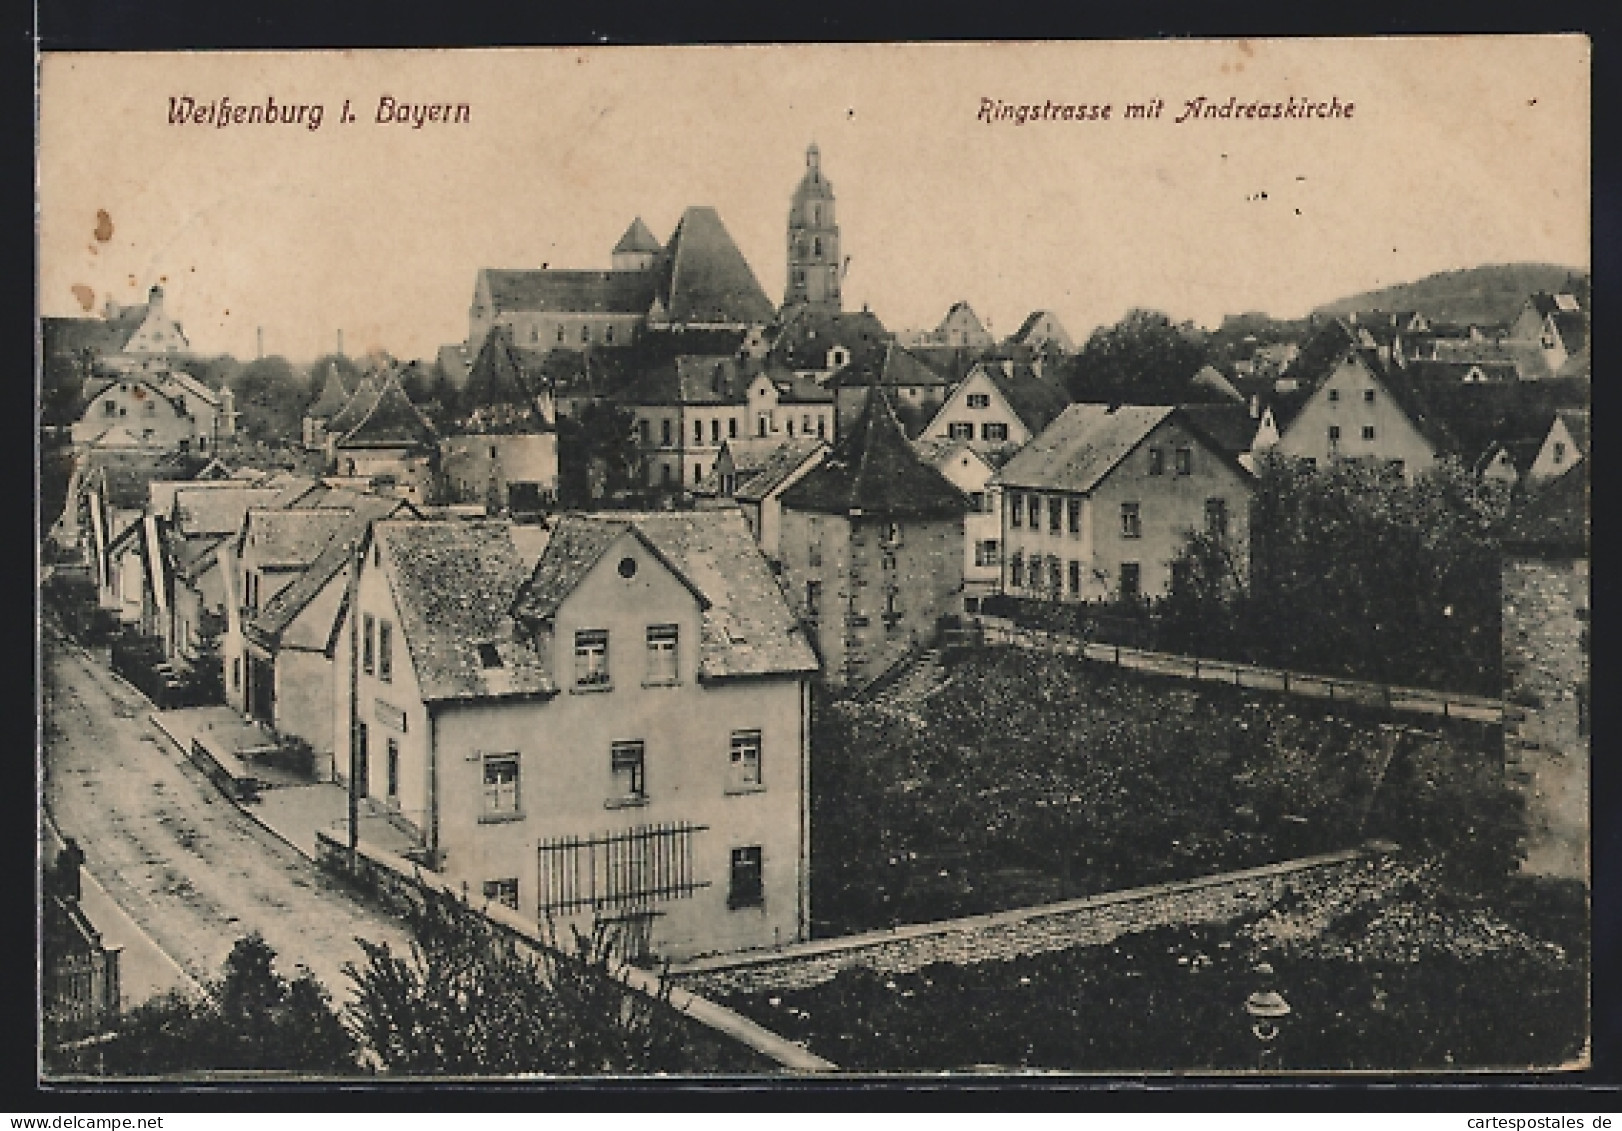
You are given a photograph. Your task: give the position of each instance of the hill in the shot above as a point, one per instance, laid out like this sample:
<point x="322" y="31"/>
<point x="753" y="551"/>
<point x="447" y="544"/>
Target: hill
<point x="1487" y="294"/>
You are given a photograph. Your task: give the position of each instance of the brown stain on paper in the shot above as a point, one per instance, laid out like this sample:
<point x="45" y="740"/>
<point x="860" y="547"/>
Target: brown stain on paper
<point x="104" y="226"/>
<point x="86" y="296"/>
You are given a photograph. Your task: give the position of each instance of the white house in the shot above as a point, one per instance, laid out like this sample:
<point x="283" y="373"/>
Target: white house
<point x="614" y="725"/>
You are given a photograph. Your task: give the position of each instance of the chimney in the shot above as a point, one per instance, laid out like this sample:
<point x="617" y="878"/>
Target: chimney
<point x="154" y="301"/>
<point x="261" y="342"/>
<point x="340" y="343"/>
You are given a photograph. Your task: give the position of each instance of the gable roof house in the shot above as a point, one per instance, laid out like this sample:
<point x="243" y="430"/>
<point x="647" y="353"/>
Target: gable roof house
<point x="1558" y="324"/>
<point x="752" y="474"/>
<point x="1043" y="333"/>
<point x="1352" y="405"/>
<point x="871" y="545"/>
<point x="613" y="724"/>
<point x="288" y="633"/>
<point x="998" y="407"/>
<point x="816" y="342"/>
<point x="393" y="445"/>
<point x="1564" y="446"/>
<point x="1100" y="504"/>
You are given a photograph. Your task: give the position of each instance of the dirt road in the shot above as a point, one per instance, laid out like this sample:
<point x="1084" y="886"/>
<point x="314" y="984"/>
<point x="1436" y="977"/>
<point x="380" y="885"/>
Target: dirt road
<point x="188" y="866"/>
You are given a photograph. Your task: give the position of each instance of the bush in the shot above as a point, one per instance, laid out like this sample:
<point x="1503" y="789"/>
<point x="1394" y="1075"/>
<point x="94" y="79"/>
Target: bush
<point x="1031" y="766"/>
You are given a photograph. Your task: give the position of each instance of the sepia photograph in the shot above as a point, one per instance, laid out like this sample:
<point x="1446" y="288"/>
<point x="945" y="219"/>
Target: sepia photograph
<point x="1009" y="559"/>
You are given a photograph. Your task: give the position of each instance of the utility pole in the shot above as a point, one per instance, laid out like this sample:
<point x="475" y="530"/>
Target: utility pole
<point x="355" y="558"/>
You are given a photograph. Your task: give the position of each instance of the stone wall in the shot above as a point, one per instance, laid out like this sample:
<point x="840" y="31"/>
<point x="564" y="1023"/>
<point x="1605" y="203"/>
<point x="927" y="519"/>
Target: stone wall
<point x="1546" y="743"/>
<point x="1026" y="931"/>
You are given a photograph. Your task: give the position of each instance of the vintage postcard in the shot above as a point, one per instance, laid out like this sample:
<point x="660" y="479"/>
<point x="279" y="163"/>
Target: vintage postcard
<point x="1062" y="557"/>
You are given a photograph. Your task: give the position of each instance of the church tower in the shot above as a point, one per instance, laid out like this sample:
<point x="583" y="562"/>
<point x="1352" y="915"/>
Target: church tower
<point x="813" y="242"/>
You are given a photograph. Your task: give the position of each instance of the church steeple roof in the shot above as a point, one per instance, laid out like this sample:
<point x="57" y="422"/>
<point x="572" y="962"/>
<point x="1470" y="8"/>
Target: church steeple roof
<point x="874" y="471"/>
<point x="637" y="238"/>
<point x="813" y="186"/>
<point x="333" y="396"/>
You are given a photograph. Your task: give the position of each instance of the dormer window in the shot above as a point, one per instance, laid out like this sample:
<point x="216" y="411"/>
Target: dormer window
<point x="489" y="656"/>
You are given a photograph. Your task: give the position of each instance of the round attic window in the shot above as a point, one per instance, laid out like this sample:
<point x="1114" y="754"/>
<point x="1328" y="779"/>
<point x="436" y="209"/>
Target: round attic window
<point x="627" y="567"/>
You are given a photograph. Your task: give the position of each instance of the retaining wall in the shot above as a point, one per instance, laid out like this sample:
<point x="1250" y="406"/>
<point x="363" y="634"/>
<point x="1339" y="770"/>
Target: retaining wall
<point x="1026" y="931"/>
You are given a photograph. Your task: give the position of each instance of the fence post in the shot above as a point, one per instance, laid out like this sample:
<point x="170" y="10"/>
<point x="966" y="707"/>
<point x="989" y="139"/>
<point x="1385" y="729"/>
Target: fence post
<point x="1117" y="655"/>
<point x="1196" y="667"/>
<point x="1286" y="679"/>
<point x="1444" y="708"/>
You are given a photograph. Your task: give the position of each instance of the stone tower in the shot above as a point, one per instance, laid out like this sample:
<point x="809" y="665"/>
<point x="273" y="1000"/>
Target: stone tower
<point x="813" y="242"/>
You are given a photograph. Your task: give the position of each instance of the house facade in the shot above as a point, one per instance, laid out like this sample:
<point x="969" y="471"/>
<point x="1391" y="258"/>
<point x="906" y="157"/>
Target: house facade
<point x="156" y="407"/>
<point x="974" y="474"/>
<point x="1564" y="446"/>
<point x="871" y="548"/>
<point x="1099" y="505"/>
<point x="1356" y="412"/>
<point x="998" y="407"/>
<point x="613" y="726"/>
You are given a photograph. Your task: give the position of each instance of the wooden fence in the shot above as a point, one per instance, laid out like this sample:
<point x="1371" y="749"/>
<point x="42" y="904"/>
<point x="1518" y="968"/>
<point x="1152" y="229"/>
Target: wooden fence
<point x="1446" y="704"/>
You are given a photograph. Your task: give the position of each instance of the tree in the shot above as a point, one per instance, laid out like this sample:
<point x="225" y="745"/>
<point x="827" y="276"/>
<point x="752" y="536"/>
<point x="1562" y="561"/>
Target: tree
<point x="472" y="1000"/>
<point x="215" y="372"/>
<point x="597" y="453"/>
<point x="1356" y="571"/>
<point x="1142" y="359"/>
<point x="271" y="397"/>
<point x="254" y="1019"/>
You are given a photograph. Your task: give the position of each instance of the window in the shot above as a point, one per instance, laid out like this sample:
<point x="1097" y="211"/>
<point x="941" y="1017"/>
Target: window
<point x="698" y="431"/>
<point x="979" y="400"/>
<point x="1368" y="431"/>
<point x="1334" y="433"/>
<point x="1131" y="581"/>
<point x="1334" y="396"/>
<point x="805" y="425"/>
<point x="732" y="428"/>
<point x="745" y="888"/>
<point x="1055" y="579"/>
<point x="1185" y="461"/>
<point x="760" y="425"/>
<point x="789" y="423"/>
<point x="1055" y="514"/>
<point x="1131" y="521"/>
<point x="961" y="430"/>
<point x="591" y="658"/>
<point x="504" y="892"/>
<point x="664" y="474"/>
<point x="608" y="334"/>
<point x="745" y="759"/>
<point x="892" y="534"/>
<point x="110" y="407"/>
<point x="985" y="553"/>
<point x="1559" y="451"/>
<point x="664" y="433"/>
<point x="627" y="765"/>
<point x="1368" y="396"/>
<point x="1073" y="515"/>
<point x="994" y="432"/>
<point x="1016" y="570"/>
<point x="501" y="785"/>
<point x="489" y="655"/>
<point x="585" y="333"/>
<point x="394" y="770"/>
<point x="662" y="653"/>
<point x="698" y="474"/>
<point x="1016" y="510"/>
<point x="368" y="644"/>
<point x="560" y="333"/>
<point x="822" y="427"/>
<point x="236" y="672"/>
<point x="813" y="599"/>
<point x="1157" y="461"/>
<point x="1075" y="578"/>
<point x="643" y="433"/>
<point x="1216" y="517"/>
<point x="385" y="651"/>
<point x="715" y="430"/>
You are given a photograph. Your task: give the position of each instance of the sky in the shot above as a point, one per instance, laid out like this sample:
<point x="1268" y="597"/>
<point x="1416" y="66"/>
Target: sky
<point x="1458" y="152"/>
